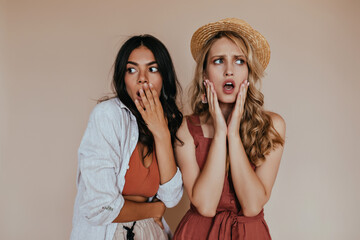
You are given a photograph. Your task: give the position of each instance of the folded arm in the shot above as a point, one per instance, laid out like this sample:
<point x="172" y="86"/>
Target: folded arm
<point x="253" y="188"/>
<point x="204" y="187"/>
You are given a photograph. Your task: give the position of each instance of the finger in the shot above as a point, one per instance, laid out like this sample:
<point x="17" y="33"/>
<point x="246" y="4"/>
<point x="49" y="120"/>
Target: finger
<point x="140" y="108"/>
<point x="243" y="93"/>
<point x="208" y="95"/>
<point x="149" y="95"/>
<point x="158" y="222"/>
<point x="157" y="103"/>
<point x="246" y="85"/>
<point x="243" y="96"/>
<point x="204" y="95"/>
<point x="214" y="94"/>
<point x="238" y="98"/>
<point x="144" y="99"/>
<point x="154" y="94"/>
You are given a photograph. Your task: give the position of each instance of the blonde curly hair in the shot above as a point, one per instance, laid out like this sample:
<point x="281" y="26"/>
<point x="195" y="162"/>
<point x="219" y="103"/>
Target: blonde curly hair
<point x="257" y="131"/>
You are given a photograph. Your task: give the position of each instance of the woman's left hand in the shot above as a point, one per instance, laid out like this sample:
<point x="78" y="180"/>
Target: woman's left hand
<point x="234" y="119"/>
<point x="162" y="208"/>
<point x="152" y="112"/>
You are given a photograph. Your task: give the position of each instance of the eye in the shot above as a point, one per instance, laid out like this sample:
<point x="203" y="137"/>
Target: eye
<point x="131" y="70"/>
<point x="153" y="69"/>
<point x="240" y="61"/>
<point x="218" y="61"/>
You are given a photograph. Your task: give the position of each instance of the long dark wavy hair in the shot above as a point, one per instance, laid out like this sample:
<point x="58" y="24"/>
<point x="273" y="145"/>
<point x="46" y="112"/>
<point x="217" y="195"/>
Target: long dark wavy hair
<point x="169" y="90"/>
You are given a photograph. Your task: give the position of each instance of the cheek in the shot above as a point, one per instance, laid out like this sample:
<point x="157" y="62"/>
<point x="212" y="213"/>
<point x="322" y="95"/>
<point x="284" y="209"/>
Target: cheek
<point x="243" y="73"/>
<point x="128" y="86"/>
<point x="246" y="74"/>
<point x="157" y="82"/>
<point x="214" y="73"/>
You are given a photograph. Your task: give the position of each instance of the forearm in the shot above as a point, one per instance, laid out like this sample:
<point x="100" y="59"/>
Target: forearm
<point x="165" y="157"/>
<point x="249" y="189"/>
<point x="208" y="187"/>
<point x="133" y="211"/>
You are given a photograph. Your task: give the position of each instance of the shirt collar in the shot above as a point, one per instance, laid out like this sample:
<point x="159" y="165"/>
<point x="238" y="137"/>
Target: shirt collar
<point x="123" y="106"/>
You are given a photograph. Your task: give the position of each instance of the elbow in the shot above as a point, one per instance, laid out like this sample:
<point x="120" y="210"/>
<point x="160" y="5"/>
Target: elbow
<point x="252" y="211"/>
<point x="171" y="204"/>
<point x="203" y="206"/>
<point x="255" y="207"/>
<point x="206" y="211"/>
<point x="173" y="199"/>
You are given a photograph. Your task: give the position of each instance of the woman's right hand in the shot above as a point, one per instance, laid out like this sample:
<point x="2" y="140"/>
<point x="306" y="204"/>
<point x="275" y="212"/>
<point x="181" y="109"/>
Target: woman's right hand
<point x="214" y="108"/>
<point x="152" y="113"/>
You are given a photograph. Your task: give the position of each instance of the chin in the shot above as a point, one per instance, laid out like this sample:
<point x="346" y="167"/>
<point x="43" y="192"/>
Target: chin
<point x="227" y="100"/>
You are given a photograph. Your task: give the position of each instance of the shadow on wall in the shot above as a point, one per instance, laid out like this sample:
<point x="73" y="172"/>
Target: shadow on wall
<point x="174" y="215"/>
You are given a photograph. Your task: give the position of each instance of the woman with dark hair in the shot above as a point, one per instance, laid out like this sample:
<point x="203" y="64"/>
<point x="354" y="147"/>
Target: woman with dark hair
<point x="127" y="174"/>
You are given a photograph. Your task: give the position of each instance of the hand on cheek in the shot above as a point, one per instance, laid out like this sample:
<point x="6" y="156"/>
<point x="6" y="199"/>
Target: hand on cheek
<point x="238" y="110"/>
<point x="214" y="108"/>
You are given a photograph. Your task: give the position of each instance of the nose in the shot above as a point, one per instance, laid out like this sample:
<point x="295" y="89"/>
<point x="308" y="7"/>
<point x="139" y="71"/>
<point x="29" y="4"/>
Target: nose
<point x="142" y="77"/>
<point x="229" y="71"/>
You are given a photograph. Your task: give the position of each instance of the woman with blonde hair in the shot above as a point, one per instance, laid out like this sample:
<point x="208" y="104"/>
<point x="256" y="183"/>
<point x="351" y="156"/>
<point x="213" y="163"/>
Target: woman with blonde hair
<point x="231" y="147"/>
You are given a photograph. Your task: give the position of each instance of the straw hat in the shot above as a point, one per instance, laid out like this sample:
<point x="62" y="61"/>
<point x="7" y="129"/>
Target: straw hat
<point x="206" y="32"/>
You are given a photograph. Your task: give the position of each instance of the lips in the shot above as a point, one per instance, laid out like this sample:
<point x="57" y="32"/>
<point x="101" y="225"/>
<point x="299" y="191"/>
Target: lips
<point x="138" y="97"/>
<point x="229" y="86"/>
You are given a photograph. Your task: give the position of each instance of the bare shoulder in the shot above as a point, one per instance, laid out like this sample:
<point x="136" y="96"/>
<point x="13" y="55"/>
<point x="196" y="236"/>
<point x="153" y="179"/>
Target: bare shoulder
<point x="185" y="150"/>
<point x="279" y="123"/>
<point x="183" y="134"/>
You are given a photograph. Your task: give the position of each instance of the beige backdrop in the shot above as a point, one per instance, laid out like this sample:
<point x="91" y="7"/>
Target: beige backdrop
<point x="56" y="58"/>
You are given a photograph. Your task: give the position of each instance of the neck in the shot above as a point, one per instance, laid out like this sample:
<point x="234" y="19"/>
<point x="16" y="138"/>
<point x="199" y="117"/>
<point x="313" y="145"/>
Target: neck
<point x="226" y="109"/>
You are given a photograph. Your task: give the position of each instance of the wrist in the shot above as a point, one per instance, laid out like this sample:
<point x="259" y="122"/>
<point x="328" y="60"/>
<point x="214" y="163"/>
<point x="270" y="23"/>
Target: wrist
<point x="233" y="135"/>
<point x="162" y="135"/>
<point x="158" y="209"/>
<point x="234" y="139"/>
<point x="220" y="134"/>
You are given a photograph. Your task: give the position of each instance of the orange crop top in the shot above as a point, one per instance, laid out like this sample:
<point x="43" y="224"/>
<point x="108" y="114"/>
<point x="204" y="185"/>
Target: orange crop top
<point x="139" y="180"/>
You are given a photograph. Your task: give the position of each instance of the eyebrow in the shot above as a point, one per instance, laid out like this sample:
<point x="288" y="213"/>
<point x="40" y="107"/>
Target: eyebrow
<point x="148" y="64"/>
<point x="237" y="56"/>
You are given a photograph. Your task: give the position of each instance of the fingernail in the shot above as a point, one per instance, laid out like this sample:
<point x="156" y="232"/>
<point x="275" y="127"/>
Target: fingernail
<point x="150" y="84"/>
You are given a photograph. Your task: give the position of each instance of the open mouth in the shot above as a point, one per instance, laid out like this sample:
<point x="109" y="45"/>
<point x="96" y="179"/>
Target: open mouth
<point x="229" y="85"/>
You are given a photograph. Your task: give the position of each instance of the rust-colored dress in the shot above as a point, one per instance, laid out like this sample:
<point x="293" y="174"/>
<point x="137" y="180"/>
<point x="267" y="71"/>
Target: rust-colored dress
<point x="229" y="221"/>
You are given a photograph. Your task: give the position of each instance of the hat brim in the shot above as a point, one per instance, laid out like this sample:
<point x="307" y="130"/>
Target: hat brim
<point x="257" y="41"/>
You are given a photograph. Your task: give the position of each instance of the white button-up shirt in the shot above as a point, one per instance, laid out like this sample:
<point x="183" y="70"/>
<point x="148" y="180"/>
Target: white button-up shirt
<point x="104" y="154"/>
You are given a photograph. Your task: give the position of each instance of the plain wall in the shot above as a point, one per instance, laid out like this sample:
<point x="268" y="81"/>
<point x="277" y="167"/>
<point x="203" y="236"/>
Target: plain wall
<point x="56" y="59"/>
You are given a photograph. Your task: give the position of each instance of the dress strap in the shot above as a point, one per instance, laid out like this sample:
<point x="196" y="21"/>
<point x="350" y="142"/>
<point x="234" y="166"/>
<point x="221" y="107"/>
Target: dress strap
<point x="194" y="126"/>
